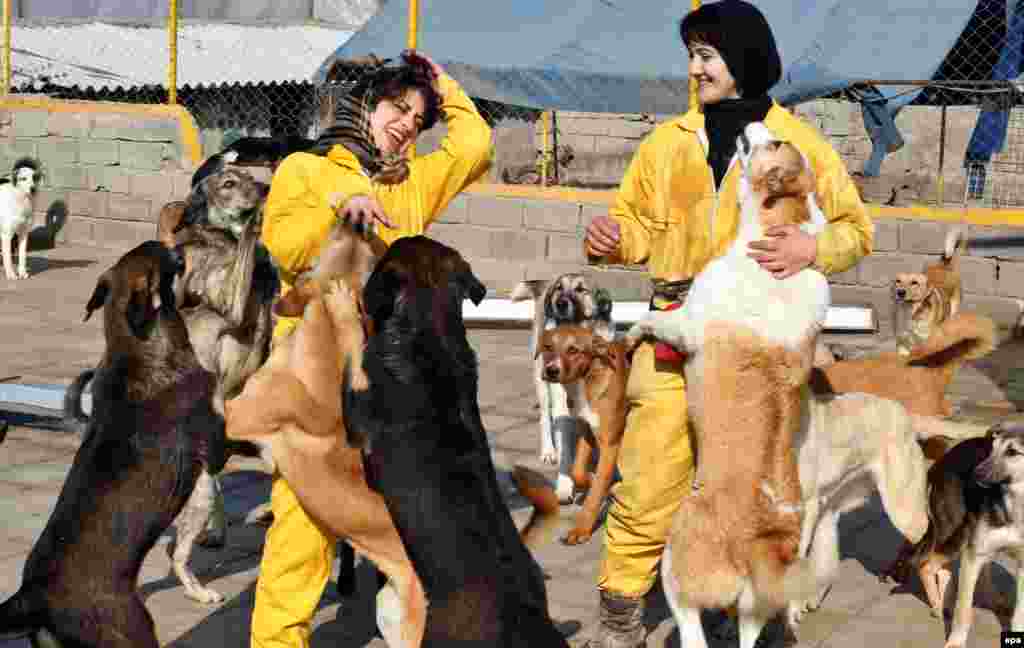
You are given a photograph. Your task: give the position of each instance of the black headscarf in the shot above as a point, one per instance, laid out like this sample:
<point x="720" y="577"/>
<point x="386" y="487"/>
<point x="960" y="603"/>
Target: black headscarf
<point x="748" y="48"/>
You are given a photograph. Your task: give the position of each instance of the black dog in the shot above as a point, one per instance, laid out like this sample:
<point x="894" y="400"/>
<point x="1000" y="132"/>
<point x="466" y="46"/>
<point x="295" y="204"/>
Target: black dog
<point x="426" y="452"/>
<point x="151" y="432"/>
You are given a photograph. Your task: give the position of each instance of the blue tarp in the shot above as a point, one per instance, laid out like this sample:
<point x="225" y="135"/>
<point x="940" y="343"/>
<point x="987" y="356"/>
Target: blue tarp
<point x="626" y="57"/>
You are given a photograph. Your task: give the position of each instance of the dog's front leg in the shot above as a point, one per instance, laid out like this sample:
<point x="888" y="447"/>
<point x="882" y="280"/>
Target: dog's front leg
<point x="586" y="519"/>
<point x="190" y="524"/>
<point x="23" y="253"/>
<point x="1017" y="619"/>
<point x="8" y="262"/>
<point x="963" y="615"/>
<point x="547" y="443"/>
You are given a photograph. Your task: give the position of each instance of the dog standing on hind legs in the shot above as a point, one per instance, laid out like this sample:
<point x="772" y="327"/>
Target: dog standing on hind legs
<point x="16" y="207"/>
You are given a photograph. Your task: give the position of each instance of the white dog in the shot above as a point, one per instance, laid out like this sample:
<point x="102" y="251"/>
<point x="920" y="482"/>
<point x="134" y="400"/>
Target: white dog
<point x="16" y="215"/>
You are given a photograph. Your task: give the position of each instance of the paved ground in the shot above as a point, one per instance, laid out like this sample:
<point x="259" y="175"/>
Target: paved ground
<point x="43" y="340"/>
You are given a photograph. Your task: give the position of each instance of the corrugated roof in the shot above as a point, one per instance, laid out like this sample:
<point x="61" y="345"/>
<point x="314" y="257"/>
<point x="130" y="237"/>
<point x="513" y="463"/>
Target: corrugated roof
<point x="105" y="56"/>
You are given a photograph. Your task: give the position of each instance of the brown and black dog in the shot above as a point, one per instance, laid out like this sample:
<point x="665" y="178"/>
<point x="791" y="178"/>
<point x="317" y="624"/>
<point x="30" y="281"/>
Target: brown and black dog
<point x="152" y="431"/>
<point x="413" y="408"/>
<point x="594" y="373"/>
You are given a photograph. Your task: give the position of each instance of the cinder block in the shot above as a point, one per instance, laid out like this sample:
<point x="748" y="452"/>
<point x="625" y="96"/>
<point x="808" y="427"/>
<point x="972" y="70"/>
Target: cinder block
<point x="563" y="247"/>
<point x="498" y="275"/>
<point x="627" y="128"/>
<point x="1011" y="279"/>
<point x="182" y="184"/>
<point x="887" y="236"/>
<point x="88" y="203"/>
<point x="18" y="147"/>
<point x="104" y="177"/>
<point x="45" y="198"/>
<point x="131" y="208"/>
<point x="622" y="284"/>
<point x="1005" y="311"/>
<point x="69" y="124"/>
<point x="457" y="210"/>
<point x="30" y="123"/>
<point x="851" y="276"/>
<point x="94" y="151"/>
<point x="923" y="237"/>
<point x="155" y="130"/>
<point x="157" y="187"/>
<point x="471" y="242"/>
<point x="551" y="215"/>
<point x="141" y="155"/>
<point x="77" y="230"/>
<point x="878" y="270"/>
<point x="552" y="268"/>
<point x="517" y="246"/>
<point x="66" y="177"/>
<point x="978" y="276"/>
<point x="590" y="211"/>
<point x="496" y="212"/>
<point x="121" y="235"/>
<point x="58" y="151"/>
<point x="111" y="126"/>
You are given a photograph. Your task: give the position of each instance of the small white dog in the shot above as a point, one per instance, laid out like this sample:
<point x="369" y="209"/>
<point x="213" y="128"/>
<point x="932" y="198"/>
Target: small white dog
<point x="16" y="214"/>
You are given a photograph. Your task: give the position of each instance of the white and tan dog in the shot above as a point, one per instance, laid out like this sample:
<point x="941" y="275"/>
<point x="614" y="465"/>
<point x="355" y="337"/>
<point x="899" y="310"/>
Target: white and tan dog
<point x="16" y="215"/>
<point x="750" y="341"/>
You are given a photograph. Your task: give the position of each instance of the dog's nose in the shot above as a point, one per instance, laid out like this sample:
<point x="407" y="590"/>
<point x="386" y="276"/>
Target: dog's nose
<point x="551" y="373"/>
<point x="263" y="189"/>
<point x="901" y="293"/>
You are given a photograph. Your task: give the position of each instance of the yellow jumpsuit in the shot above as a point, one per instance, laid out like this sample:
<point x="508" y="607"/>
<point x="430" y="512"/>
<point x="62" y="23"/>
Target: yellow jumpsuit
<point x="672" y="218"/>
<point x="298" y="554"/>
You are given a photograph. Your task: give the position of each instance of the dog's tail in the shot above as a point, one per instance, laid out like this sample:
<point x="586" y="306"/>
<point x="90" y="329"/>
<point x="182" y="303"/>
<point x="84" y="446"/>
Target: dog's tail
<point x="75" y="418"/>
<point x="956" y="245"/>
<point x="544" y="520"/>
<point x="964" y="336"/>
<point x="778" y="579"/>
<point x="21" y="614"/>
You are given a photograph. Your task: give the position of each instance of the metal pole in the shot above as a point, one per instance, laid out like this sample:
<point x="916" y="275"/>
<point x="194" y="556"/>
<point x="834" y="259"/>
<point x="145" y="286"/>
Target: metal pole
<point x="8" y="15"/>
<point x="942" y="156"/>
<point x="544" y="118"/>
<point x="412" y="40"/>
<point x="172" y="46"/>
<point x="695" y="5"/>
<point x="554" y="148"/>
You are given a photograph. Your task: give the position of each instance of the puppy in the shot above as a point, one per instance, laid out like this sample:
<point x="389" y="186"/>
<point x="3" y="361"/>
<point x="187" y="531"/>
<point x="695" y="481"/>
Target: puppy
<point x="413" y="409"/>
<point x="568" y="299"/>
<point x="16" y="214"/>
<point x="227" y="199"/>
<point x="749" y="340"/>
<point x="923" y="301"/>
<point x="976" y="510"/>
<point x="594" y="373"/>
<point x="152" y="432"/>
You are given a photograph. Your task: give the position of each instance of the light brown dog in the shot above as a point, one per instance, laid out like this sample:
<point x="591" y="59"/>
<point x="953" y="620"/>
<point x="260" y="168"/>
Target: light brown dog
<point x="594" y="373"/>
<point x="924" y="300"/>
<point x="781" y="178"/>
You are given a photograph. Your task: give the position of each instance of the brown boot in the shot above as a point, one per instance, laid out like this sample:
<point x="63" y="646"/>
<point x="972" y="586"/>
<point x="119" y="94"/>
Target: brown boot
<point x="620" y="622"/>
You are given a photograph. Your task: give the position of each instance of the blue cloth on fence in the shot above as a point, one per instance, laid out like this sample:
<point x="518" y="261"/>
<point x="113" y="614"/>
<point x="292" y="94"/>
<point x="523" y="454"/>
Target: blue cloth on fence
<point x="989" y="135"/>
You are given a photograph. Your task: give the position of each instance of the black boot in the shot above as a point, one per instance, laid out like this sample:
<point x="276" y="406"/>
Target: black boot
<point x="620" y="622"/>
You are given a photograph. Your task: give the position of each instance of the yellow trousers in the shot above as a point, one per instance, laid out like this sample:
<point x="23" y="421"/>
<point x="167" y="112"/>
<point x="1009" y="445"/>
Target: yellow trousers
<point x="297" y="559"/>
<point x="656" y="466"/>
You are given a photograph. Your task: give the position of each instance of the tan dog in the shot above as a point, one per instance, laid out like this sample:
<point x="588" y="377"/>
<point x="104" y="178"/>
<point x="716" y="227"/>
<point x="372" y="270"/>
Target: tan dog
<point x="594" y="373"/>
<point x="749" y="340"/>
<point x="923" y="301"/>
<point x="226" y="199"/>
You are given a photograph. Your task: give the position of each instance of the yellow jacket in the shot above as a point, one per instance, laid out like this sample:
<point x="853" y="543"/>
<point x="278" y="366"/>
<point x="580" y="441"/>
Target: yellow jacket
<point x="297" y="216"/>
<point x="672" y="219"/>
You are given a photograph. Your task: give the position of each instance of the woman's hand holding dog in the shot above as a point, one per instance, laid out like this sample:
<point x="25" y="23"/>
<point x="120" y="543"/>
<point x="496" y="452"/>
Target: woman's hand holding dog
<point x="362" y="212"/>
<point x="787" y="250"/>
<point x="603" y="235"/>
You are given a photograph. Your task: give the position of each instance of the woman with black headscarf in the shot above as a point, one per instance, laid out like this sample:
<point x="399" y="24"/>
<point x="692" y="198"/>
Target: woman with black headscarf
<point x="677" y="207"/>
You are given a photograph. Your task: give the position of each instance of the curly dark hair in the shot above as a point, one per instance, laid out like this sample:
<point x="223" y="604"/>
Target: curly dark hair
<point x="391" y="82"/>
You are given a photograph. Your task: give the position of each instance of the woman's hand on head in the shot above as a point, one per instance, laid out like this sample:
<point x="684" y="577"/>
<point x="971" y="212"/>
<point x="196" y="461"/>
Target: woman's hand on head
<point x="785" y="251"/>
<point x="603" y="236"/>
<point x="415" y="57"/>
<point x="364" y="213"/>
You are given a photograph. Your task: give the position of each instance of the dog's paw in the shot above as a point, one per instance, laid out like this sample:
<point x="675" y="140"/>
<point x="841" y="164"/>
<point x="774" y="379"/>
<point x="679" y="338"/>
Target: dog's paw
<point x="262" y="515"/>
<point x="580" y="533"/>
<point x="564" y="488"/>
<point x="23" y="274"/>
<point x="201" y="594"/>
<point x="548" y="456"/>
<point x="795" y="613"/>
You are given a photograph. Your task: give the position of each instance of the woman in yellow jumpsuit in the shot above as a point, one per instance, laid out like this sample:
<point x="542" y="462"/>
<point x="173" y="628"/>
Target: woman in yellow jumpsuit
<point x="676" y="209"/>
<point x="401" y="101"/>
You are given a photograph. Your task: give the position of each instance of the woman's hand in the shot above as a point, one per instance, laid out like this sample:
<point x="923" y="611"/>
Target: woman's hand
<point x="787" y="250"/>
<point x="603" y="236"/>
<point x="415" y="57"/>
<point x="363" y="213"/>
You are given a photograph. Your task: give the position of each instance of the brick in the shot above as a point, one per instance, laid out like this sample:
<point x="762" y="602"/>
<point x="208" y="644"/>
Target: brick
<point x="457" y="211"/>
<point x="69" y="124"/>
<point x="978" y="275"/>
<point x="1004" y="311"/>
<point x="498" y="275"/>
<point x="851" y="276"/>
<point x="923" y="237"/>
<point x="44" y="198"/>
<point x="77" y="230"/>
<point x="88" y="203"/>
<point x="563" y="247"/>
<point x="103" y="178"/>
<point x="887" y="236"/>
<point x="141" y="155"/>
<point x="507" y="244"/>
<point x="67" y="177"/>
<point x="471" y="241"/>
<point x="121" y="235"/>
<point x="879" y="270"/>
<point x="183" y="184"/>
<point x="93" y="151"/>
<point x="57" y="150"/>
<point x="1011" y="279"/>
<point x="496" y="212"/>
<point x="623" y="285"/>
<point x="626" y="128"/>
<point x="157" y="187"/>
<point x="551" y="215"/>
<point x="155" y="130"/>
<point x="111" y="126"/>
<point x="30" y="123"/>
<point x="130" y="208"/>
<point x="17" y="147"/>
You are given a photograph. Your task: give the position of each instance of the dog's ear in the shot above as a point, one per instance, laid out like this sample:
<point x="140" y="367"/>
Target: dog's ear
<point x="99" y="296"/>
<point x="143" y="306"/>
<point x="471" y="287"/>
<point x="293" y="303"/>
<point x="196" y="204"/>
<point x="380" y="294"/>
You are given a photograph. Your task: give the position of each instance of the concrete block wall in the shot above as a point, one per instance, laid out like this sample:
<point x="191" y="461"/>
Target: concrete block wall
<point x="105" y="174"/>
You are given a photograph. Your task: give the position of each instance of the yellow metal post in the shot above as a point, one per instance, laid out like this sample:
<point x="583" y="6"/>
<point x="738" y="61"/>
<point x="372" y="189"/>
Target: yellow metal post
<point x="172" y="46"/>
<point x="411" y="43"/>
<point x="695" y="5"/>
<point x="8" y="16"/>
